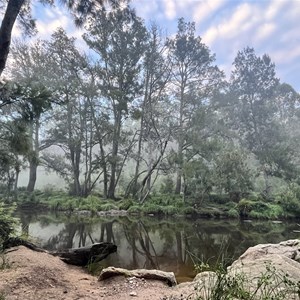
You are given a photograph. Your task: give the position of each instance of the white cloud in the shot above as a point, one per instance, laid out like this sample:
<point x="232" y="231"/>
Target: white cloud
<point x="265" y="31"/>
<point x="205" y="9"/>
<point x="47" y="28"/>
<point x="275" y="8"/>
<point x="170" y="9"/>
<point x="242" y="19"/>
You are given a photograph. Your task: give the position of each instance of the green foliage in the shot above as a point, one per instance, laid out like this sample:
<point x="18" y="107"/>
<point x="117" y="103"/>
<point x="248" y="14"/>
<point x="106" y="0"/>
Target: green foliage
<point x="259" y="209"/>
<point x="4" y="263"/>
<point x="135" y="209"/>
<point x="189" y="211"/>
<point x="271" y="284"/>
<point x="150" y="208"/>
<point x="232" y="174"/>
<point x="233" y="213"/>
<point x="108" y="206"/>
<point x="7" y="222"/>
<point x="126" y="204"/>
<point x="289" y="200"/>
<point x="170" y="210"/>
<point x="167" y="186"/>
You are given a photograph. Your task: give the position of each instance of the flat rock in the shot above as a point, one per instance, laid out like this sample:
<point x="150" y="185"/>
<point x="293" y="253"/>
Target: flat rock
<point x="167" y="277"/>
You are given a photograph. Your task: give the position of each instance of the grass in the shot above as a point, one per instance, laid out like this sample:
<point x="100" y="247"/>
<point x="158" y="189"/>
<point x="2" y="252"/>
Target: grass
<point x="216" y="206"/>
<point x="272" y="284"/>
<point x="4" y="263"/>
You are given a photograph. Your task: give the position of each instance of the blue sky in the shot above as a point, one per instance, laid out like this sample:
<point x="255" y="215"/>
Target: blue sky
<point x="226" y="26"/>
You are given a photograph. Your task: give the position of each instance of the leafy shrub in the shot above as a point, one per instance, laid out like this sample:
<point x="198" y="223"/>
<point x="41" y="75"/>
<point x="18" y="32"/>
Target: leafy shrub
<point x="290" y="200"/>
<point x="167" y="186"/>
<point x="125" y="204"/>
<point x="189" y="210"/>
<point x="244" y="207"/>
<point x="233" y="213"/>
<point x="108" y="206"/>
<point x="152" y="209"/>
<point x="219" y="199"/>
<point x="271" y="284"/>
<point x="169" y="210"/>
<point x="7" y="222"/>
<point x="135" y="209"/>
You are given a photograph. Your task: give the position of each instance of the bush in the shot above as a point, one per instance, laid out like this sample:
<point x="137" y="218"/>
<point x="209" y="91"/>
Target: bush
<point x="167" y="186"/>
<point x="7" y="223"/>
<point x="108" y="206"/>
<point x="135" y="209"/>
<point x="233" y="213"/>
<point x="152" y="209"/>
<point x="170" y="210"/>
<point x="271" y="284"/>
<point x="126" y="204"/>
<point x="189" y="210"/>
<point x="244" y="207"/>
<point x="289" y="200"/>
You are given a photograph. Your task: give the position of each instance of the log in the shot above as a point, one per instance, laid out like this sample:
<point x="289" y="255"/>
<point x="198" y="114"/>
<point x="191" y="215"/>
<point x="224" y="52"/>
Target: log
<point x="85" y="255"/>
<point x="16" y="241"/>
<point x="167" y="277"/>
<point x="77" y="256"/>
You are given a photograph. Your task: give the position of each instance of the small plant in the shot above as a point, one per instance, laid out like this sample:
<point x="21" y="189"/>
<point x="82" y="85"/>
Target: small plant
<point x="2" y="296"/>
<point x="270" y="285"/>
<point x="7" y="223"/>
<point x="4" y="263"/>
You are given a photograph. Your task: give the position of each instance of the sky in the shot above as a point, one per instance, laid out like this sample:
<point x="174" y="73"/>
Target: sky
<point x="225" y="26"/>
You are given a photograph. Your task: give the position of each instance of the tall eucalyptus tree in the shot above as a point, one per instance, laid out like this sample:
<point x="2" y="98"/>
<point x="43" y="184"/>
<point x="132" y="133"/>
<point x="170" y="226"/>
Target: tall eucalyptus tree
<point x="256" y="107"/>
<point x="195" y="79"/>
<point x="118" y="37"/>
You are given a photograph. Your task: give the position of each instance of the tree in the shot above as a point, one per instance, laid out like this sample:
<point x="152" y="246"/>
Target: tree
<point x="14" y="138"/>
<point x="195" y="79"/>
<point x="151" y="111"/>
<point x="22" y="9"/>
<point x="231" y="172"/>
<point x="27" y="70"/>
<point x="64" y="67"/>
<point x="118" y="37"/>
<point x="254" y="110"/>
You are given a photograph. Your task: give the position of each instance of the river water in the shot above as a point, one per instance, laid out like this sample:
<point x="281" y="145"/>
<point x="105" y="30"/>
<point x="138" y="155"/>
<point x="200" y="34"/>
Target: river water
<point x="172" y="244"/>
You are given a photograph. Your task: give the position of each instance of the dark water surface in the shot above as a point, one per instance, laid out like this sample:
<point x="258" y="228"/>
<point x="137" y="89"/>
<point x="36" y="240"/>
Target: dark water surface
<point x="174" y="244"/>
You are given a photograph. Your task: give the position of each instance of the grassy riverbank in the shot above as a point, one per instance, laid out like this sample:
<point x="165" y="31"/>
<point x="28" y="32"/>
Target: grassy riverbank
<point x="283" y="206"/>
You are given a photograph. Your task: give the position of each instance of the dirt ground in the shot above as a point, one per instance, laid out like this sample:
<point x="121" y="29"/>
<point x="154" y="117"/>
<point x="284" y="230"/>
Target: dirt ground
<point x="33" y="275"/>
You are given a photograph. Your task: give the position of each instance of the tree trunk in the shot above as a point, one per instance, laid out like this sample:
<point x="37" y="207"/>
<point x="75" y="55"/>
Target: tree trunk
<point x="114" y="158"/>
<point x="32" y="174"/>
<point x="34" y="156"/>
<point x="12" y="10"/>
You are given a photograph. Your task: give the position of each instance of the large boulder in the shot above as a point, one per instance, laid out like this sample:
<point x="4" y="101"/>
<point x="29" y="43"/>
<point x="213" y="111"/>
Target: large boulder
<point x="271" y="270"/>
<point x="284" y="257"/>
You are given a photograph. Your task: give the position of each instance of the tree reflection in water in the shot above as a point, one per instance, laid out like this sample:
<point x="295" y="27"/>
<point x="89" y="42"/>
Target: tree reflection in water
<point x="167" y="244"/>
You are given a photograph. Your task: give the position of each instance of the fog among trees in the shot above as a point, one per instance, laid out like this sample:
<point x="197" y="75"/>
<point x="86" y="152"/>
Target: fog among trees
<point x="142" y="114"/>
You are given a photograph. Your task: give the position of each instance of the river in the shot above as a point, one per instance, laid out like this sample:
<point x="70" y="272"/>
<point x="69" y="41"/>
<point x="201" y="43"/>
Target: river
<point x="172" y="244"/>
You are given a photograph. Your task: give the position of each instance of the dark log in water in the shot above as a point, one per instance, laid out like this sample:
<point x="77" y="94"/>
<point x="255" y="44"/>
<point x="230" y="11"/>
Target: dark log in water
<point x="77" y="256"/>
<point x="83" y="256"/>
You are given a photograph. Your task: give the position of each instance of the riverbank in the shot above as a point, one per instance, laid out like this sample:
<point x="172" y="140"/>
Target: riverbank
<point x="270" y="271"/>
<point x="213" y="206"/>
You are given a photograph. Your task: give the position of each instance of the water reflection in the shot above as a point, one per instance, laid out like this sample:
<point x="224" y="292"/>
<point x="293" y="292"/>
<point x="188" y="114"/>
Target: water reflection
<point x="166" y="244"/>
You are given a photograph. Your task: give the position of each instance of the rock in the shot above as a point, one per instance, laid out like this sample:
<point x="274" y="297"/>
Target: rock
<point x="133" y="294"/>
<point x="167" y="277"/>
<point x="277" y="260"/>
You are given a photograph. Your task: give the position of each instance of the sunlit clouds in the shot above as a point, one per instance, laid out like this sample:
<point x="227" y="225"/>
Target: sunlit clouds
<point x="226" y="26"/>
